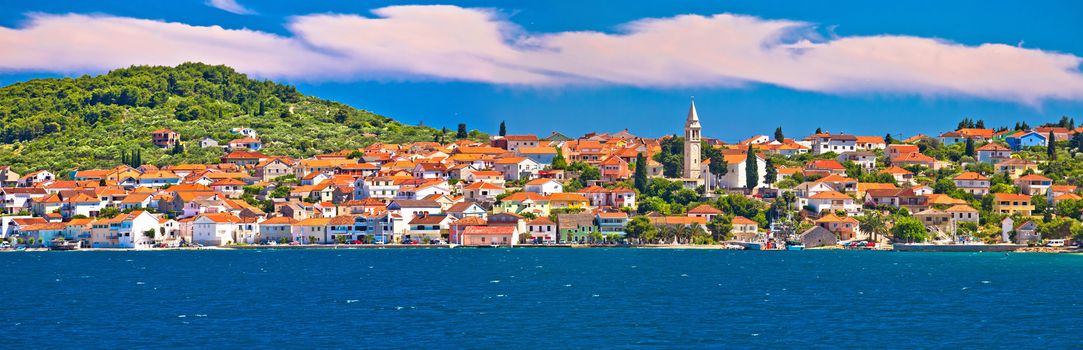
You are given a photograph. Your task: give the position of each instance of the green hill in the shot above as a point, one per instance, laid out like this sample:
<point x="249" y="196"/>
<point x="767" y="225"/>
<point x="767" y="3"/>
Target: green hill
<point x="88" y="122"/>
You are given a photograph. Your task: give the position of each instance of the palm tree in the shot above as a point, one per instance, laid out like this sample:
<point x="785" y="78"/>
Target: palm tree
<point x="873" y="222"/>
<point x="697" y="231"/>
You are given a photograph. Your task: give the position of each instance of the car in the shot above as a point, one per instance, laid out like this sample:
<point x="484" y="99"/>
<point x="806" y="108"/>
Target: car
<point x="1055" y="243"/>
<point x="5" y="245"/>
<point x="295" y="243"/>
<point x="356" y="241"/>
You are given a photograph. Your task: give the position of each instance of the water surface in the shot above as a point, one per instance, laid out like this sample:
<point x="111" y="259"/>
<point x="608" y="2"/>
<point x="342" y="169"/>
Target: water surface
<point x="539" y="298"/>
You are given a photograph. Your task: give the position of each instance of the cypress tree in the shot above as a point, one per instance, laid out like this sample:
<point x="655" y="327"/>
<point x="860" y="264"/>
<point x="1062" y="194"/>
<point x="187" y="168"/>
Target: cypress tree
<point x="888" y="139"/>
<point x="819" y="131"/>
<point x="778" y="134"/>
<point x="970" y="147"/>
<point x="461" y="134"/>
<point x="770" y="173"/>
<point x="559" y="163"/>
<point x="1050" y="147"/>
<point x="752" y="177"/>
<point x="503" y="129"/>
<point x="641" y="173"/>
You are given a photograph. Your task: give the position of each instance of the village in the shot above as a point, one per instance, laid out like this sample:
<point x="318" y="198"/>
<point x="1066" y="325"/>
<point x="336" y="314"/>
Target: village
<point x="970" y="186"/>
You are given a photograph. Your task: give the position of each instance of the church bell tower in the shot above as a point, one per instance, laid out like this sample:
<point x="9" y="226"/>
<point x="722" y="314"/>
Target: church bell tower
<point x="693" y="162"/>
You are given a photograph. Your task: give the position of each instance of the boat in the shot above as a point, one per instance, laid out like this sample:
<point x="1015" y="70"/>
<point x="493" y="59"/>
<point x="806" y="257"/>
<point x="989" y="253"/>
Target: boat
<point x="64" y="246"/>
<point x="753" y="246"/>
<point x="795" y="247"/>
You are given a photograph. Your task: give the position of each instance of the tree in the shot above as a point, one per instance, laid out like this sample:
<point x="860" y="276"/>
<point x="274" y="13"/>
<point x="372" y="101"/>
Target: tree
<point x="752" y="177"/>
<point x="770" y="173"/>
<point x="178" y="148"/>
<point x="888" y="139"/>
<point x="909" y="229"/>
<point x="980" y="124"/>
<point x="503" y="129"/>
<point x="1076" y="142"/>
<point x="1050" y="148"/>
<point x="778" y="134"/>
<point x="819" y="131"/>
<point x="640" y="178"/>
<point x="720" y="227"/>
<point x="149" y="233"/>
<point x="873" y="223"/>
<point x="559" y="163"/>
<point x="717" y="165"/>
<point x="638" y="228"/>
<point x="461" y="134"/>
<point x="970" y="147"/>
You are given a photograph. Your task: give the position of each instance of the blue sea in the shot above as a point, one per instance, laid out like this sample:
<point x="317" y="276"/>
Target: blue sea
<point x="539" y="298"/>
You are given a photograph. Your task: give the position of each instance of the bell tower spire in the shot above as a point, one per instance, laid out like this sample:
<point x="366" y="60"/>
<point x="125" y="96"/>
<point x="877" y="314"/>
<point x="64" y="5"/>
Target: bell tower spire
<point x="692" y="138"/>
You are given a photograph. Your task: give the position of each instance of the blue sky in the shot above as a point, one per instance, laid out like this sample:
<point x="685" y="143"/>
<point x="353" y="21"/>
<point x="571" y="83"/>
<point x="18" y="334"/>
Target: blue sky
<point x="1039" y="80"/>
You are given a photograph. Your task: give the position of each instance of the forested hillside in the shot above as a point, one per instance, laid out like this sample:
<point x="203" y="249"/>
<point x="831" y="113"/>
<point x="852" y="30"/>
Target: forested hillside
<point x="89" y="122"/>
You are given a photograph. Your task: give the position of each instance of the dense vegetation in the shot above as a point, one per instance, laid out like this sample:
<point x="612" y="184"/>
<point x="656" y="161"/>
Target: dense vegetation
<point x="90" y="121"/>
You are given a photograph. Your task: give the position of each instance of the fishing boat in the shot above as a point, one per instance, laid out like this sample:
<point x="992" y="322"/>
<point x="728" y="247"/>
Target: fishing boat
<point x="794" y="245"/>
<point x="64" y="246"/>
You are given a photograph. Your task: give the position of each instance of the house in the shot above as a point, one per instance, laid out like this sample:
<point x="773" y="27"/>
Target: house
<point x="312" y="231"/>
<point x="831" y="201"/>
<point x="864" y="159"/>
<point x="244" y="158"/>
<point x="901" y="175"/>
<point x="575" y="227"/>
<point x="490" y="235"/>
<point x="518" y="142"/>
<point x="456" y="228"/>
<point x="164" y="138"/>
<point x="1024" y="139"/>
<point x="544" y="186"/>
<point x="611" y="223"/>
<point x="993" y="153"/>
<point x="249" y="143"/>
<point x="136" y="230"/>
<point x="825" y="167"/>
<point x="1033" y="184"/>
<point x="744" y="229"/>
<point x="40" y="176"/>
<point x="618" y="197"/>
<point x="542" y="230"/>
<point x="933" y="217"/>
<point x="516" y="168"/>
<point x="614" y="169"/>
<point x="845" y="227"/>
<point x="568" y="201"/>
<point x="408" y="208"/>
<point x="840" y="183"/>
<point x="19" y="199"/>
<point x="736" y="176"/>
<point x="704" y="211"/>
<point x="542" y="154"/>
<point x="838" y="143"/>
<point x="1025" y="233"/>
<point x="428" y="227"/>
<point x="961" y="135"/>
<point x="869" y="143"/>
<point x="963" y="213"/>
<point x="916" y="158"/>
<point x="466" y="209"/>
<point x="208" y="142"/>
<point x="817" y="236"/>
<point x="524" y="202"/>
<point x="8" y="178"/>
<point x="216" y="229"/>
<point x="482" y="192"/>
<point x="1010" y="203"/>
<point x="1015" y="167"/>
<point x="277" y="229"/>
<point x="972" y="183"/>
<point x="378" y="187"/>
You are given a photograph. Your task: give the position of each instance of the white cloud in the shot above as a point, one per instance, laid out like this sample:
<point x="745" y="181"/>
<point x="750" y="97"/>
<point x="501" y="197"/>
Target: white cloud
<point x="478" y="45"/>
<point x="230" y="6"/>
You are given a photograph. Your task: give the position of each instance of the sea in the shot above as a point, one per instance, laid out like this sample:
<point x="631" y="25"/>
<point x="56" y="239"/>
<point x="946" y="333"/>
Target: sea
<point x="527" y="298"/>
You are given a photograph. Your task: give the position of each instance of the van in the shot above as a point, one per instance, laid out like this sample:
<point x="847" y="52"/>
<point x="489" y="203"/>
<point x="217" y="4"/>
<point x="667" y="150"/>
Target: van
<point x="1055" y="243"/>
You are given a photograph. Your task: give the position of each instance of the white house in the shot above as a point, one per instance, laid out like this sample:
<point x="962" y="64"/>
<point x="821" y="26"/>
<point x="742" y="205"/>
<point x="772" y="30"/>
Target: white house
<point x="215" y="229"/>
<point x="515" y="168"/>
<point x="544" y="186"/>
<point x="735" y="175"/>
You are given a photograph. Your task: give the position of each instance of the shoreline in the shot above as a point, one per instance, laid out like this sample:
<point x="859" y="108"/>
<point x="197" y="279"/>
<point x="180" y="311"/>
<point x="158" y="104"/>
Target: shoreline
<point x="922" y="248"/>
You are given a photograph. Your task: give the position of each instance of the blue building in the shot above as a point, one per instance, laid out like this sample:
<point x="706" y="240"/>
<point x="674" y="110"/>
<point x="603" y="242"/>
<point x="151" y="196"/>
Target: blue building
<point x="1026" y="139"/>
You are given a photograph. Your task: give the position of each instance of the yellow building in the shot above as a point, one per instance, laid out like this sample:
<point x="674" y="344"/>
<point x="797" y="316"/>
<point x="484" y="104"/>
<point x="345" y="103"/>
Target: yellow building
<point x="1010" y="203"/>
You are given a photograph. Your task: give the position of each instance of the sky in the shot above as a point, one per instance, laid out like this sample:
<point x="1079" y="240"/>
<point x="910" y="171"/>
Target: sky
<point x="858" y="67"/>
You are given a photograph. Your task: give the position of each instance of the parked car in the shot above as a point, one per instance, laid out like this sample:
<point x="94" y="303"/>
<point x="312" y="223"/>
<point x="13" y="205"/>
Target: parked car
<point x="5" y="245"/>
<point x="1055" y="243"/>
<point x="356" y="241"/>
